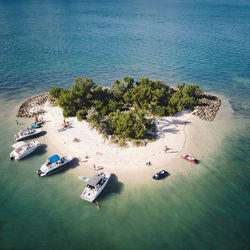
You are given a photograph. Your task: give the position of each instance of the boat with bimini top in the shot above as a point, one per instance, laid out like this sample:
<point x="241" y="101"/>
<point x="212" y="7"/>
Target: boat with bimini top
<point x="95" y="186"/>
<point x="22" y="149"/>
<point x="53" y="164"/>
<point x="24" y="134"/>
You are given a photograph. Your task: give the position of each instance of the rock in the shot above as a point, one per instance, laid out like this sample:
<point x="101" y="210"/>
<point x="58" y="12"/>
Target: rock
<point x="208" y="108"/>
<point x="33" y="106"/>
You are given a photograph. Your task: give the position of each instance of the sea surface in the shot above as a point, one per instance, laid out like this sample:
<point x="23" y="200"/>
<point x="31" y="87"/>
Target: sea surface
<point x="44" y="44"/>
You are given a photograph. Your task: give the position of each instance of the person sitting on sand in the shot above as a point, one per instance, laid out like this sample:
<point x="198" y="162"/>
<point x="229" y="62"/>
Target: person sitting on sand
<point x="76" y="140"/>
<point x="67" y="125"/>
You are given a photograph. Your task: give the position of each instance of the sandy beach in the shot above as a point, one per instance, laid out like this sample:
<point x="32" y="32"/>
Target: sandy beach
<point x="125" y="162"/>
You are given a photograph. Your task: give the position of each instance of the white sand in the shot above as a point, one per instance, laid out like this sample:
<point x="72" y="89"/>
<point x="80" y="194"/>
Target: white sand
<point x="124" y="162"/>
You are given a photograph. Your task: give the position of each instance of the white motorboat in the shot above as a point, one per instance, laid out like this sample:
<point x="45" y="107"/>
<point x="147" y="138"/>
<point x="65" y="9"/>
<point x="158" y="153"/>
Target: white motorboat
<point x="95" y="186"/>
<point x="22" y="149"/>
<point x="23" y="134"/>
<point x="54" y="164"/>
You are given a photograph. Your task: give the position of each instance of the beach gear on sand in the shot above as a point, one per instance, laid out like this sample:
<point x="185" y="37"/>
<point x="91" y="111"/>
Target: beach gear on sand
<point x="76" y="140"/>
<point x="83" y="178"/>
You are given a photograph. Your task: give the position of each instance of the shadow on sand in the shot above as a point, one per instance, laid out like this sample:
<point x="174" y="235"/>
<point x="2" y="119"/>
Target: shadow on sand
<point x="165" y="125"/>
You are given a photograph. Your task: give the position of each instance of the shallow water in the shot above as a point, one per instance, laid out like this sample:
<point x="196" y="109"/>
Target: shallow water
<point x="49" y="44"/>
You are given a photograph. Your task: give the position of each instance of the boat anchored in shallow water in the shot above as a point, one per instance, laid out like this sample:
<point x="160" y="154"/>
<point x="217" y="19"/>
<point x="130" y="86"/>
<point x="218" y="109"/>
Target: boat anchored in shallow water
<point x="24" y="134"/>
<point x="160" y="175"/>
<point x="53" y="164"/>
<point x="22" y="149"/>
<point x="189" y="158"/>
<point x="95" y="186"/>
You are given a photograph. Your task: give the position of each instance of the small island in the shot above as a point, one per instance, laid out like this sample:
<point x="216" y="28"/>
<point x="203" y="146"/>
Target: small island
<point x="124" y="127"/>
<point x="126" y="111"/>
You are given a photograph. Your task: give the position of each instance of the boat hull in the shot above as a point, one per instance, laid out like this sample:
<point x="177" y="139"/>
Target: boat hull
<point x="191" y="159"/>
<point x="93" y="196"/>
<point x="14" y="155"/>
<point x="19" y="137"/>
<point x="54" y="170"/>
<point x="160" y="175"/>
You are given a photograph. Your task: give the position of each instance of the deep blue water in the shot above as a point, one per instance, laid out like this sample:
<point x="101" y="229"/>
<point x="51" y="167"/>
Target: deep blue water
<point x="48" y="43"/>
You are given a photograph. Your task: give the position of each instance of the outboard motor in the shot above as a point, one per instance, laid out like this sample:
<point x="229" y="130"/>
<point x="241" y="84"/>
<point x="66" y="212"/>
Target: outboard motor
<point x="12" y="158"/>
<point x="39" y="172"/>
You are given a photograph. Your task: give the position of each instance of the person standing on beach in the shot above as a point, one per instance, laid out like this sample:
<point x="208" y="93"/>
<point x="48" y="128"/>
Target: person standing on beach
<point x="36" y="118"/>
<point x="166" y="148"/>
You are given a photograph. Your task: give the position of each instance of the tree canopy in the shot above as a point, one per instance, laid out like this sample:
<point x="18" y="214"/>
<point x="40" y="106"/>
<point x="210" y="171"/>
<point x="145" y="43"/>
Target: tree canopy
<point x="123" y="109"/>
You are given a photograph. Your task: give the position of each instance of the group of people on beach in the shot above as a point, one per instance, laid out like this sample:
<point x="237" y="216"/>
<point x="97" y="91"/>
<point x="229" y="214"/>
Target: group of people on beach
<point x="65" y="124"/>
<point x="149" y="163"/>
<point x="37" y="119"/>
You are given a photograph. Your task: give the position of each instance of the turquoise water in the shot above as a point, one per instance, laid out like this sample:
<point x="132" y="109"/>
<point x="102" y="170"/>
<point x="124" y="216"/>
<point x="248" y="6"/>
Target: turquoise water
<point x="49" y="43"/>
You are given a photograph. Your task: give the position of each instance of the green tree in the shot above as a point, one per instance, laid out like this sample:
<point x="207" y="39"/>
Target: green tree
<point x="56" y="92"/>
<point x="82" y="114"/>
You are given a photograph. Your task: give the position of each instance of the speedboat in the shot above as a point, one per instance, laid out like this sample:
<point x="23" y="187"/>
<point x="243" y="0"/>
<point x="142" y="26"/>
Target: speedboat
<point x="95" y="185"/>
<point x="23" y="134"/>
<point x="22" y="149"/>
<point x="189" y="158"/>
<point x="54" y="164"/>
<point x="160" y="175"/>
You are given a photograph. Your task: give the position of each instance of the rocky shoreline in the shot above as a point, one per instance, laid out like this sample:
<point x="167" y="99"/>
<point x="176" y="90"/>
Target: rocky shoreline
<point x="209" y="107"/>
<point x="33" y="106"/>
<point x="206" y="111"/>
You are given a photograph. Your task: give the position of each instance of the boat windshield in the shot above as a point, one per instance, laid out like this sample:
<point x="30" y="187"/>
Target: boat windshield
<point x="91" y="187"/>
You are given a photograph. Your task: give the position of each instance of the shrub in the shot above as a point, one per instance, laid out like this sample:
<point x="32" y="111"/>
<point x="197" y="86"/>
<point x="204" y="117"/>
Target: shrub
<point x="56" y="92"/>
<point x="82" y="114"/>
<point x="95" y="119"/>
<point x="122" y="143"/>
